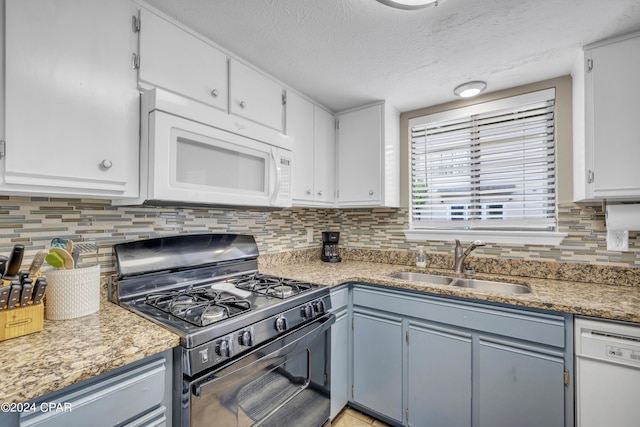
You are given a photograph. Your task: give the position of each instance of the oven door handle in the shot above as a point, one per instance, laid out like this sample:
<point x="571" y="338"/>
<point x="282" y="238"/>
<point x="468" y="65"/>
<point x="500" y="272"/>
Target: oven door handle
<point x="251" y="365"/>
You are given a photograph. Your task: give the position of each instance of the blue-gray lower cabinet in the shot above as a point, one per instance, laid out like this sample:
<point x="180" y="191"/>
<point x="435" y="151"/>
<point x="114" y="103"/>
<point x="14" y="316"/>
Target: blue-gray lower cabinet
<point x="136" y="395"/>
<point x="339" y="350"/>
<point x="439" y="376"/>
<point x="377" y="362"/>
<point x="422" y="360"/>
<point x="520" y="385"/>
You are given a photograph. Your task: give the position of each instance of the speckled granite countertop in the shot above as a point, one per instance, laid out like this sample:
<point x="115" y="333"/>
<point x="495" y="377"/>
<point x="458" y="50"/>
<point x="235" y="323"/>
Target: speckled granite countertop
<point x="66" y="352"/>
<point x="589" y="299"/>
<point x="69" y="351"/>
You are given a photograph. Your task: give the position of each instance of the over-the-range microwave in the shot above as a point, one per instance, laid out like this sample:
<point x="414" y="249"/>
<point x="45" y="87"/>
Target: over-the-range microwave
<point x="192" y="154"/>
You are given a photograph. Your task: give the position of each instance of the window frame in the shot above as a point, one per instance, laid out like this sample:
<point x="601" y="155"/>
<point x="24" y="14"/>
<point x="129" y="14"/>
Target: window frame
<point x="421" y="233"/>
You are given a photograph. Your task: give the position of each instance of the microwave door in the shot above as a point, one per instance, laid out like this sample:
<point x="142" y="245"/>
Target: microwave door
<point x="196" y="163"/>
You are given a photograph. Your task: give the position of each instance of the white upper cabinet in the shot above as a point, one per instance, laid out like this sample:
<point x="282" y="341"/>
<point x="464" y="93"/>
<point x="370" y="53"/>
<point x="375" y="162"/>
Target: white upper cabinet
<point x="300" y="129"/>
<point x="254" y="96"/>
<point x="607" y="120"/>
<point x="72" y="103"/>
<point x="368" y="157"/>
<point x="178" y="61"/>
<point x="313" y="133"/>
<point x="324" y="156"/>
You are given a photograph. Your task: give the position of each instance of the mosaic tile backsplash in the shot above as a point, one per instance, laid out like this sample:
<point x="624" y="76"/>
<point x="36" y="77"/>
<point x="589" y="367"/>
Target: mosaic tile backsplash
<point x="34" y="221"/>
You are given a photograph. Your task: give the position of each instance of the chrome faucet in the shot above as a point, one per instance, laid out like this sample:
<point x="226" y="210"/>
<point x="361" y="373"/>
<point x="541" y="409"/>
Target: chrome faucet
<point x="462" y="255"/>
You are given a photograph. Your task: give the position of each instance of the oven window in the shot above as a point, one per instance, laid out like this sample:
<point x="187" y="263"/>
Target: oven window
<point x="215" y="166"/>
<point x="271" y="395"/>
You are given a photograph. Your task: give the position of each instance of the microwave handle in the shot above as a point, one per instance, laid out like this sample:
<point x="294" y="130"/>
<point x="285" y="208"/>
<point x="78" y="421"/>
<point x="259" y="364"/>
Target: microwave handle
<point x="276" y="190"/>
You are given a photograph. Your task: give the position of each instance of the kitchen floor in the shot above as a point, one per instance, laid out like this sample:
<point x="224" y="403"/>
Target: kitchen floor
<point x="352" y="418"/>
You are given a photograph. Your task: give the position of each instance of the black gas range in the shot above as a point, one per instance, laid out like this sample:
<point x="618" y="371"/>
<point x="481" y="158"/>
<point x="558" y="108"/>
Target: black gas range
<point x="207" y="289"/>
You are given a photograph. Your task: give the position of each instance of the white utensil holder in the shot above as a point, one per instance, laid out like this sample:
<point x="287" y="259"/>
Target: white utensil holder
<point x="72" y="293"/>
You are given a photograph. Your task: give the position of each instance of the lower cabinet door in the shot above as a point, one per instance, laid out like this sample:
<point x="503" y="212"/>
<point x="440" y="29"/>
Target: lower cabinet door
<point x="439" y="380"/>
<point x="339" y="362"/>
<point x="377" y="363"/>
<point x="520" y="385"/>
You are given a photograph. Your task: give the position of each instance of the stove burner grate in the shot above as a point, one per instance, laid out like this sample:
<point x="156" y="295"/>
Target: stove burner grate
<point x="271" y="285"/>
<point x="200" y="307"/>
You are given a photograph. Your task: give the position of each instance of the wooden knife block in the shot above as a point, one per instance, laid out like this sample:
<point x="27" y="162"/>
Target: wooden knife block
<point x="21" y="321"/>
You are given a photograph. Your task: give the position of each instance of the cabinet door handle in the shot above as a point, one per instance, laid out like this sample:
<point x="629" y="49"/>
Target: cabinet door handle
<point x="589" y="64"/>
<point x="106" y="164"/>
<point x="371" y="192"/>
<point x="319" y="193"/>
<point x="308" y="192"/>
<point x="590" y="177"/>
<point x="243" y="104"/>
<point x="215" y="93"/>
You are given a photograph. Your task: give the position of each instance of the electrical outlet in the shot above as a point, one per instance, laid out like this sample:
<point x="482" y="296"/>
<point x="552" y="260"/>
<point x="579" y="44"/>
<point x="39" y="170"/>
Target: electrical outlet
<point x="309" y="234"/>
<point x="618" y="240"/>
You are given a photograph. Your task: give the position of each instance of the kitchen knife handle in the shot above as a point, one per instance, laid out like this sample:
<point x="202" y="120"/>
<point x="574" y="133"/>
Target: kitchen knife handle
<point x="27" y="292"/>
<point x="39" y="289"/>
<point x="15" y="261"/>
<point x="23" y="275"/>
<point x="4" y="296"/>
<point x="14" y="295"/>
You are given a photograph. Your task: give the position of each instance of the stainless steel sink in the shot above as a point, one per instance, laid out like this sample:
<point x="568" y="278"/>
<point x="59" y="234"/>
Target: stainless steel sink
<point x="423" y="277"/>
<point x="481" y="285"/>
<point x="487" y="285"/>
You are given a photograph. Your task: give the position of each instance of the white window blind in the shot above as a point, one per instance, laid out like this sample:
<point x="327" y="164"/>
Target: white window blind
<point x="487" y="166"/>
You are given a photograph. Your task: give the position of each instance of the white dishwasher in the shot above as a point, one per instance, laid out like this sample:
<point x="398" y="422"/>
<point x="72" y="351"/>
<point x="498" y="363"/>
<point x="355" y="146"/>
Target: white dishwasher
<point x="607" y="373"/>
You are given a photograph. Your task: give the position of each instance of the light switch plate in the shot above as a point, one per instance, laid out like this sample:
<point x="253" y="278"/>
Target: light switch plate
<point x="618" y="240"/>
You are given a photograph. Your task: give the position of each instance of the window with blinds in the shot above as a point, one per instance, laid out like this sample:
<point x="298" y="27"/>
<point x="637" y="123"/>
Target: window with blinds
<point x="487" y="166"/>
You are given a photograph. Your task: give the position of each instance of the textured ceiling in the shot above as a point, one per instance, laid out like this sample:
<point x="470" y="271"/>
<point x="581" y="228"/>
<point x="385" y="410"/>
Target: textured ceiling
<point x="344" y="53"/>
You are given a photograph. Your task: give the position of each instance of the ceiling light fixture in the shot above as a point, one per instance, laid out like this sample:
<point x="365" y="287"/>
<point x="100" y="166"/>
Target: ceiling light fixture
<point x="469" y="89"/>
<point x="410" y="4"/>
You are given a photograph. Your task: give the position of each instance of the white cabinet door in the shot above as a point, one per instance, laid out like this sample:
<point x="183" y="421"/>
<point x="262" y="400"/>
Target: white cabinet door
<point x="313" y="133"/>
<point x="300" y="127"/>
<point x="176" y="60"/>
<point x="368" y="165"/>
<point x="613" y="118"/>
<point x="254" y="96"/>
<point x="606" y="125"/>
<point x="324" y="155"/>
<point x="72" y="104"/>
<point x="359" y="162"/>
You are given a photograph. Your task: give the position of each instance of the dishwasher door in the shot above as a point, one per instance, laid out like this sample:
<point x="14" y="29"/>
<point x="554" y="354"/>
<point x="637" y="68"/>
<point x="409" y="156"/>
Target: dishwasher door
<point x="607" y="373"/>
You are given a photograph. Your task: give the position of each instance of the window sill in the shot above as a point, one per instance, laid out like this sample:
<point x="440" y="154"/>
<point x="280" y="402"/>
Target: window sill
<point x="548" y="238"/>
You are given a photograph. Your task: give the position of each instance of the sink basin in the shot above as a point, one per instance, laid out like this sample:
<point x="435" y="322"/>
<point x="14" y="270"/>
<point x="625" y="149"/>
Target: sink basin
<point x="481" y="285"/>
<point x="423" y="277"/>
<point x="487" y="285"/>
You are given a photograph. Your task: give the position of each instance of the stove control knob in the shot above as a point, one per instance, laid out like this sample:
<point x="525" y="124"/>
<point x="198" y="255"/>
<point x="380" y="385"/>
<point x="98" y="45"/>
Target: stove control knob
<point x="319" y="306"/>
<point x="307" y="311"/>
<point x="246" y="338"/>
<point x="224" y="348"/>
<point x="281" y="324"/>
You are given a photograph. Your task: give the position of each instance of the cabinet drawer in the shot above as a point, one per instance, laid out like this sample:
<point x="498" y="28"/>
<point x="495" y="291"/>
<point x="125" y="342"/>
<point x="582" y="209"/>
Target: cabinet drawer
<point x="548" y="329"/>
<point x="106" y="402"/>
<point x="339" y="298"/>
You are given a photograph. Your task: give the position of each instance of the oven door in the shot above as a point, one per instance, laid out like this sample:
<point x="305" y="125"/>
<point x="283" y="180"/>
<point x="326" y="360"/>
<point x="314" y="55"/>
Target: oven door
<point x="284" y="383"/>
